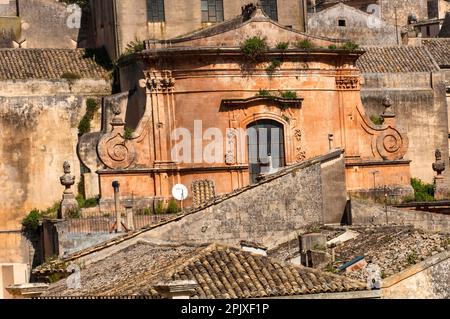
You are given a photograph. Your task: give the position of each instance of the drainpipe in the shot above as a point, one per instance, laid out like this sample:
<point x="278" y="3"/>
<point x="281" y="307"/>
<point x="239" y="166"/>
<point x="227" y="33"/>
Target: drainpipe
<point x="116" y="30"/>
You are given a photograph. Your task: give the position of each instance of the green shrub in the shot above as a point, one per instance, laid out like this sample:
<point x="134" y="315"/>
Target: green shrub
<point x="377" y="120"/>
<point x="423" y="192"/>
<point x="173" y="208"/>
<point x="289" y="95"/>
<point x="305" y="44"/>
<point x="75" y="214"/>
<point x="254" y="47"/>
<point x="159" y="208"/>
<point x="350" y="46"/>
<point x="274" y="64"/>
<point x="85" y="123"/>
<point x="128" y="133"/>
<point x="263" y="93"/>
<point x="134" y="46"/>
<point x="282" y="45"/>
<point x="86" y="203"/>
<point x="332" y="47"/>
<point x="31" y="221"/>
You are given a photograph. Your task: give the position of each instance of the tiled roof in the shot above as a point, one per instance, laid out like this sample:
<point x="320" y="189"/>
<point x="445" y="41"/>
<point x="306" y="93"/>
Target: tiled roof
<point x="440" y="50"/>
<point x="392" y="248"/>
<point x="220" y="271"/>
<point x="50" y="64"/>
<point x="397" y="59"/>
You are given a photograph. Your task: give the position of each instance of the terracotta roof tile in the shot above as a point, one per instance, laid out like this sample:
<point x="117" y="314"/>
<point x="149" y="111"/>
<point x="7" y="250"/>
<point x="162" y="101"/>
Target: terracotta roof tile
<point x="440" y="50"/>
<point x="396" y="59"/>
<point x="49" y="64"/>
<point x="220" y="271"/>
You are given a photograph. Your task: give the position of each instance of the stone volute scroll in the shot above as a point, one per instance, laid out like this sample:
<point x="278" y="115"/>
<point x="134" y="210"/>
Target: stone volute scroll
<point x="68" y="204"/>
<point x="388" y="143"/>
<point x="114" y="150"/>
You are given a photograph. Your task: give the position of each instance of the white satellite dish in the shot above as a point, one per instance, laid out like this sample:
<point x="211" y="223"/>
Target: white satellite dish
<point x="180" y="192"/>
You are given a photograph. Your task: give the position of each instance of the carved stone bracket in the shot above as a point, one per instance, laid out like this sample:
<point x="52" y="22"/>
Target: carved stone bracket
<point x="159" y="81"/>
<point x="347" y="82"/>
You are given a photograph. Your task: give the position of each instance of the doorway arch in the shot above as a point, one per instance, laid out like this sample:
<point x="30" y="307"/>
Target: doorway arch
<point x="266" y="147"/>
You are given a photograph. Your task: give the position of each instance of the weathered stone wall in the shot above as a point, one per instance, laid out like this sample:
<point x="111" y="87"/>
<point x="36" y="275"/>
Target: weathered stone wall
<point x="8" y="8"/>
<point x="359" y="27"/>
<point x="419" y="102"/>
<point x="268" y="211"/>
<point x="47" y="24"/>
<point x="39" y="129"/>
<point x="397" y="12"/>
<point x="367" y="213"/>
<point x="44" y="24"/>
<point x="427" y="280"/>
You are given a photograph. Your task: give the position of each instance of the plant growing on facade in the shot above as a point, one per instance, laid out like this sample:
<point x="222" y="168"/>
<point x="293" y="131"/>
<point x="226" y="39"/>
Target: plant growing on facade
<point x="128" y="133"/>
<point x="305" y="44"/>
<point x="159" y="208"/>
<point x="350" y="46"/>
<point x="172" y="207"/>
<point x="377" y="120"/>
<point x="85" y="123"/>
<point x="289" y="95"/>
<point x="273" y="66"/>
<point x="254" y="47"/>
<point x="282" y="46"/>
<point x="263" y="93"/>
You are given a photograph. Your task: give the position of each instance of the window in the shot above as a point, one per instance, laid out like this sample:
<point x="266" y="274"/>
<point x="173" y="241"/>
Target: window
<point x="270" y="8"/>
<point x="342" y="23"/>
<point x="212" y="10"/>
<point x="155" y="10"/>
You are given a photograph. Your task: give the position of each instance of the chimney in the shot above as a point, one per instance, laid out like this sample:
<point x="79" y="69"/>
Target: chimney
<point x="178" y="289"/>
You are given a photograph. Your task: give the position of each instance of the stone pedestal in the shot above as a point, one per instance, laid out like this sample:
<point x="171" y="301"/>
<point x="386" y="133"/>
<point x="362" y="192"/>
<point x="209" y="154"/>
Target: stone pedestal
<point x="441" y="190"/>
<point x="68" y="205"/>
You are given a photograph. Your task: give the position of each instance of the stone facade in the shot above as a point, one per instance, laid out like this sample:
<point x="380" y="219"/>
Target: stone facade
<point x="116" y="25"/>
<point x="347" y="23"/>
<point x="41" y="24"/>
<point x="324" y="77"/>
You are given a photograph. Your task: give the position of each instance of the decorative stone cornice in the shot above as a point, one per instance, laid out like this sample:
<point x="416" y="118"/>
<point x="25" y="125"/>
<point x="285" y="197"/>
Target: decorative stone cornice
<point x="347" y="82"/>
<point x="242" y="103"/>
<point x="158" y="81"/>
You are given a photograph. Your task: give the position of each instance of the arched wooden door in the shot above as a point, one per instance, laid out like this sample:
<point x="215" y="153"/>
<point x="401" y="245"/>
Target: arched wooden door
<point x="266" y="150"/>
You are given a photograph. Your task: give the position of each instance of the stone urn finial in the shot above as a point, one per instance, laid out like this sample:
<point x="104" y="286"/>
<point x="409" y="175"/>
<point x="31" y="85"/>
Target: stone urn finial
<point x="439" y="164"/>
<point x="68" y="204"/>
<point x="387" y="103"/>
<point x="67" y="180"/>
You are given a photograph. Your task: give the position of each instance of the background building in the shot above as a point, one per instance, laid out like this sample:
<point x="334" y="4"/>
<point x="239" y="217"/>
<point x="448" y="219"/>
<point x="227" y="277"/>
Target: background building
<point x="118" y="23"/>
